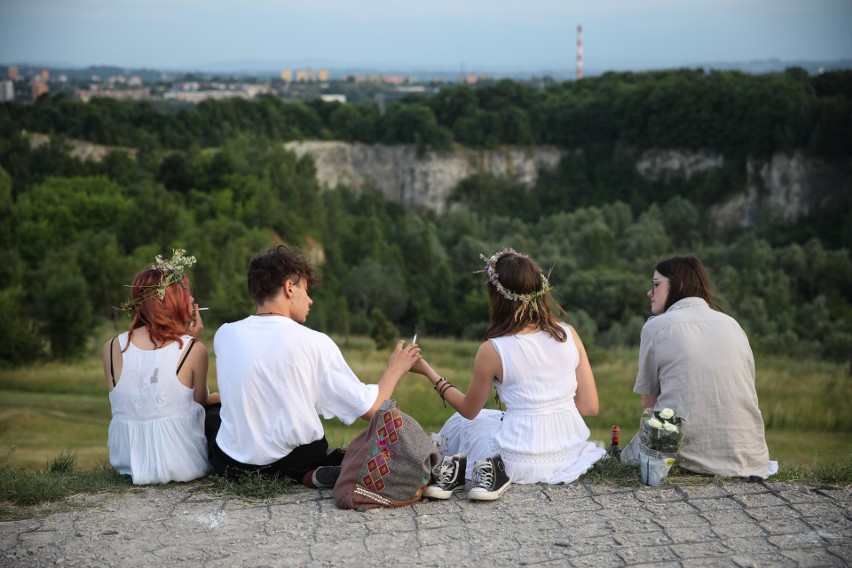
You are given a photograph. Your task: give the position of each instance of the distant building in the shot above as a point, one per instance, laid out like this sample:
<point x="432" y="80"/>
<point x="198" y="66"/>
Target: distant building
<point x="301" y="76"/>
<point x="334" y="98"/>
<point x="39" y="88"/>
<point x="44" y="75"/>
<point x="7" y="91"/>
<point x="137" y="94"/>
<point x="135" y="81"/>
<point x="368" y="78"/>
<point x="12" y="73"/>
<point x="287" y="75"/>
<point x="218" y="92"/>
<point x="323" y="75"/>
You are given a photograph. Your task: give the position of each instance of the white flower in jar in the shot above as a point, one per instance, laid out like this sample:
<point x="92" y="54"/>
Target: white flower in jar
<point x="654" y="423"/>
<point x="669" y="427"/>
<point x="667" y="414"/>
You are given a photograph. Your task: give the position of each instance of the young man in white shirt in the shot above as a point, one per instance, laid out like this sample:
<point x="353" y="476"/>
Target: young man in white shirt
<point x="276" y="377"/>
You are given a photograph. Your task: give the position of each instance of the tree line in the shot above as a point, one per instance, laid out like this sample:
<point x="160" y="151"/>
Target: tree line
<point x="74" y="232"/>
<point x="735" y="113"/>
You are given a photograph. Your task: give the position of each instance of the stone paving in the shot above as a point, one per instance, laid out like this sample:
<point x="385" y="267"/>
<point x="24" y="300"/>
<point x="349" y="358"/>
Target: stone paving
<point x="730" y="523"/>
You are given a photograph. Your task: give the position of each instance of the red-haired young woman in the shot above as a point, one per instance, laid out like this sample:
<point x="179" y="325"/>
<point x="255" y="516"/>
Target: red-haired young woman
<point x="157" y="377"/>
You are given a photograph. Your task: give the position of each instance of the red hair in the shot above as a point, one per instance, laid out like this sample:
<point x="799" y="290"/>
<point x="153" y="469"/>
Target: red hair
<point x="166" y="319"/>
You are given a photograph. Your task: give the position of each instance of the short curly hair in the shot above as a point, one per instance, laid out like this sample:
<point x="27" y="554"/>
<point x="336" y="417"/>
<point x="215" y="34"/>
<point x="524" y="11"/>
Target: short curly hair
<point x="268" y="270"/>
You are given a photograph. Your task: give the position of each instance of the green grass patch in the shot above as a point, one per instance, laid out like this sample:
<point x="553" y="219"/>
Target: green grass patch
<point x="250" y="486"/>
<point x="49" y="486"/>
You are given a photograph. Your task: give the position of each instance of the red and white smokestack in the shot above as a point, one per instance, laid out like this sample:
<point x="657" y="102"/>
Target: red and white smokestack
<point x="580" y="52"/>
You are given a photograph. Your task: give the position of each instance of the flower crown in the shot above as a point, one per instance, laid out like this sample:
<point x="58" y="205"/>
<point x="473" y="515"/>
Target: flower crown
<point x="172" y="270"/>
<point x="494" y="279"/>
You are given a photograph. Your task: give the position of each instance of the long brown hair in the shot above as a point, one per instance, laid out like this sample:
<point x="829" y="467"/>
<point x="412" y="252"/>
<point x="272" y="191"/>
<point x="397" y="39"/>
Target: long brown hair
<point x="166" y="319"/>
<point x="687" y="279"/>
<point x="521" y="275"/>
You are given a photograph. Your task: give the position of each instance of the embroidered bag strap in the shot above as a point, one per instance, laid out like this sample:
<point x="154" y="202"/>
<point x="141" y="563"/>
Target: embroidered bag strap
<point x="111" y="367"/>
<point x="185" y="355"/>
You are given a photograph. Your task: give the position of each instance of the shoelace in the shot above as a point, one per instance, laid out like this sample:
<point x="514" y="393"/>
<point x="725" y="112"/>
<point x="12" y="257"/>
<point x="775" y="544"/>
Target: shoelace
<point x="483" y="474"/>
<point x="445" y="472"/>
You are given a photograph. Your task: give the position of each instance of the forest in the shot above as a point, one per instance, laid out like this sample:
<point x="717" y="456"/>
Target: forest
<point x="215" y="180"/>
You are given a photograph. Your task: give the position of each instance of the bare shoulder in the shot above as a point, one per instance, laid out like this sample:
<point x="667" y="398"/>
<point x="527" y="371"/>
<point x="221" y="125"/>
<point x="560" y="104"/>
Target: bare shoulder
<point x="199" y="350"/>
<point x="488" y="355"/>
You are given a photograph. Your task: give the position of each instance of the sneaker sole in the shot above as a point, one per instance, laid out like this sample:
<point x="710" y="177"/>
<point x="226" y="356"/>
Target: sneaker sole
<point x="475" y="495"/>
<point x="436" y="493"/>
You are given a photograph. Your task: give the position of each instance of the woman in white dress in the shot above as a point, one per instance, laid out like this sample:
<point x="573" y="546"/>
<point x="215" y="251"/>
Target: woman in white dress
<point x="540" y="370"/>
<point x="157" y="378"/>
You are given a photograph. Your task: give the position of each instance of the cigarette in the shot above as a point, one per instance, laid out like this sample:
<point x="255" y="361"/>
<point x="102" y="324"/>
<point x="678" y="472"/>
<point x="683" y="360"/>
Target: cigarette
<point x="414" y="339"/>
<point x="202" y="309"/>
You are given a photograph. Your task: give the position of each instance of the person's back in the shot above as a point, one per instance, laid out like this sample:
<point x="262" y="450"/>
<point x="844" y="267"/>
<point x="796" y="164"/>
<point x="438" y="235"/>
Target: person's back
<point x="156" y="374"/>
<point x="706" y="374"/>
<point x="538" y="370"/>
<point x="157" y="430"/>
<point x="275" y="376"/>
<point x="541" y="426"/>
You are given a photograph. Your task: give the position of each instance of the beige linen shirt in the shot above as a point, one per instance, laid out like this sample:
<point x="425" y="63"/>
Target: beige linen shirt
<point x="699" y="363"/>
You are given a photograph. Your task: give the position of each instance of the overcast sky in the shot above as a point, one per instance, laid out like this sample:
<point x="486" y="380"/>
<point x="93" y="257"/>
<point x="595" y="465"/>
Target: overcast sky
<point x="431" y="34"/>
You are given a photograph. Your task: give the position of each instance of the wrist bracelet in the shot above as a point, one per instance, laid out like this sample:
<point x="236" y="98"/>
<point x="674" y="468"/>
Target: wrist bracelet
<point x="447" y="386"/>
<point x="436" y="383"/>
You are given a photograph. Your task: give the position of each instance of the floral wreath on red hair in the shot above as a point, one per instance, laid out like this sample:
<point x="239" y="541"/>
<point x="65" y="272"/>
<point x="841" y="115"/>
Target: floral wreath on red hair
<point x="172" y="271"/>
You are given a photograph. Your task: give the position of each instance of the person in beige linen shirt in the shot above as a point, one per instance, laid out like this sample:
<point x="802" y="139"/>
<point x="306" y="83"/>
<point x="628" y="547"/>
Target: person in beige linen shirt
<point x="697" y="361"/>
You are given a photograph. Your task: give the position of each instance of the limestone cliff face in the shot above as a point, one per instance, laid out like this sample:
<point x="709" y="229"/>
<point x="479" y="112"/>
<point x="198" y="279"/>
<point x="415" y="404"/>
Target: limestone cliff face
<point x="421" y="180"/>
<point x="785" y="187"/>
<point x="667" y="164"/>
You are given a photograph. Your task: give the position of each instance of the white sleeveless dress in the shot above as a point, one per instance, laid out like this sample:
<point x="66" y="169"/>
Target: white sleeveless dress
<point x="541" y="437"/>
<point x="157" y="430"/>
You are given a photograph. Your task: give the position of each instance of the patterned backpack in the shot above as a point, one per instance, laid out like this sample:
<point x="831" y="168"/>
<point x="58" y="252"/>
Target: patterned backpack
<point x="388" y="464"/>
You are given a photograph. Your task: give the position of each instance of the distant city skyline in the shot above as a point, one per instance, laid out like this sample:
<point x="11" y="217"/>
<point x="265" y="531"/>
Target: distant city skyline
<point x="479" y="36"/>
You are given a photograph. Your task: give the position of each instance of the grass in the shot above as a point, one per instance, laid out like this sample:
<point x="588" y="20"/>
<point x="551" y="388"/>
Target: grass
<point x="51" y="411"/>
<point x="25" y="493"/>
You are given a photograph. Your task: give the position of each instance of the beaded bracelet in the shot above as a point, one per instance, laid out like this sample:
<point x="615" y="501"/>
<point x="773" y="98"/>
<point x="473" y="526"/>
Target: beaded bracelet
<point x="447" y="386"/>
<point x="435" y="386"/>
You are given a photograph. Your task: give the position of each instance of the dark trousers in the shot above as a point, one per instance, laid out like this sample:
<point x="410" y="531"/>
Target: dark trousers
<point x="294" y="465"/>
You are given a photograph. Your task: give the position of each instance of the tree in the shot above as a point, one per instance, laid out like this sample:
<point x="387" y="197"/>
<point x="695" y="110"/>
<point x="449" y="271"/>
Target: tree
<point x="63" y="304"/>
<point x="19" y="340"/>
<point x="415" y="124"/>
<point x="60" y="210"/>
<point x="372" y="285"/>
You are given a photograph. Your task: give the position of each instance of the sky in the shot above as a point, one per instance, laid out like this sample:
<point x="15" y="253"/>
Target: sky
<point x="421" y="34"/>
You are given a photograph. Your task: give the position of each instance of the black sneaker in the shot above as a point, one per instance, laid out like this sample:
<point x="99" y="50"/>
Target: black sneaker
<point x="489" y="480"/>
<point x="323" y="477"/>
<point x="448" y="477"/>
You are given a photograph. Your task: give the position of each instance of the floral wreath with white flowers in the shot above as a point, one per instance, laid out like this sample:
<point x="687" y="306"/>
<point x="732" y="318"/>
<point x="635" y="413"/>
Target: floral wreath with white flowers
<point x="494" y="279"/>
<point x="173" y="271"/>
